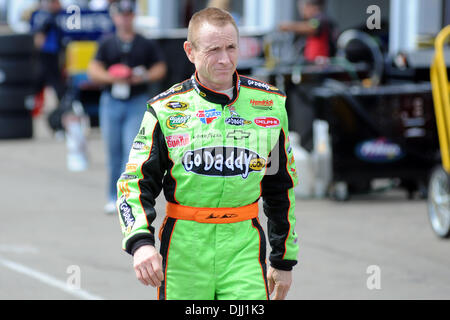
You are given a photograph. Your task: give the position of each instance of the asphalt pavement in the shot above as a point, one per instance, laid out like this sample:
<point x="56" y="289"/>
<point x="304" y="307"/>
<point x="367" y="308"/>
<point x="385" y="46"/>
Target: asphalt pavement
<point x="57" y="243"/>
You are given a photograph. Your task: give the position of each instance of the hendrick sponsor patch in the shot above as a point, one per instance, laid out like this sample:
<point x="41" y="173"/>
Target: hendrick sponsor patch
<point x="379" y="150"/>
<point x="223" y="161"/>
<point x="178" y="120"/>
<point x="179" y="140"/>
<point x="262" y="104"/>
<point x="126" y="214"/>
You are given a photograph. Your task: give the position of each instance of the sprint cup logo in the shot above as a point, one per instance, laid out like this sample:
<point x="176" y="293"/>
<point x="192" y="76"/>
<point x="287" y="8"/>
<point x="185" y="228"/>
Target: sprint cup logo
<point x="178" y="120"/>
<point x="176" y="105"/>
<point x="223" y="162"/>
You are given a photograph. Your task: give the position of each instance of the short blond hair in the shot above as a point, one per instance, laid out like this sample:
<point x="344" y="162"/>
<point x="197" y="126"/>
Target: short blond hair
<point x="215" y="16"/>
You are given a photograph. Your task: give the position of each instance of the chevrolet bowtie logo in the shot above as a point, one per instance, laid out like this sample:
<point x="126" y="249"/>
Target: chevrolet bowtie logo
<point x="238" y="134"/>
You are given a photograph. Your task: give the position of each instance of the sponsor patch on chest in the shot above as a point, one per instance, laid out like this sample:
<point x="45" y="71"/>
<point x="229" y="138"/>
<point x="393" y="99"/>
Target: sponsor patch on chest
<point x="177" y="106"/>
<point x="178" y="120"/>
<point x="179" y="140"/>
<point x="208" y="116"/>
<point x="267" y="122"/>
<point x="223" y="161"/>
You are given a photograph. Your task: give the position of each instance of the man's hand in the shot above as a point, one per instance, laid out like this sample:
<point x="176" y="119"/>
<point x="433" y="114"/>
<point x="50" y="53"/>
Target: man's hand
<point x="285" y="26"/>
<point x="147" y="263"/>
<point x="280" y="282"/>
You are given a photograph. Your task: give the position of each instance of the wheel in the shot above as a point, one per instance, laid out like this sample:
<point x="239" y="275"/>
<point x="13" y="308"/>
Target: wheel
<point x="15" y="98"/>
<point x="356" y="46"/>
<point x="16" y="125"/>
<point x="16" y="44"/>
<point x="439" y="202"/>
<point x="16" y="71"/>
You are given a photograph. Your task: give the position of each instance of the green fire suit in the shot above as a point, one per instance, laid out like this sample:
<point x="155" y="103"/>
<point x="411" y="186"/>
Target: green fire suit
<point x="206" y="150"/>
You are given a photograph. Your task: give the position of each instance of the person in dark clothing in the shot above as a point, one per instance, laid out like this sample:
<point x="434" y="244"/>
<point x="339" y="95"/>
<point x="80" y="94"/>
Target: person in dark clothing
<point x="48" y="42"/>
<point x="320" y="44"/>
<point x="316" y="27"/>
<point x="125" y="64"/>
<point x="48" y="36"/>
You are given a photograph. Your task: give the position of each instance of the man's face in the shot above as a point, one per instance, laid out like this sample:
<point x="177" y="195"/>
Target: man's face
<point x="123" y="20"/>
<point x="53" y="6"/>
<point x="215" y="55"/>
<point x="307" y="10"/>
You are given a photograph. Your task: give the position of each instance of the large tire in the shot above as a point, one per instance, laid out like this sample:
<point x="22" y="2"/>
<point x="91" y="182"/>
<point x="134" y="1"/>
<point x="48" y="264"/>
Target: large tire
<point x="16" y="44"/>
<point x="16" y="125"/>
<point x="16" y="71"/>
<point x="439" y="202"/>
<point x="16" y="98"/>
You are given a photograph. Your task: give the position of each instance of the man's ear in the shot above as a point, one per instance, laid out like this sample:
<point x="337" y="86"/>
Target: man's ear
<point x="188" y="49"/>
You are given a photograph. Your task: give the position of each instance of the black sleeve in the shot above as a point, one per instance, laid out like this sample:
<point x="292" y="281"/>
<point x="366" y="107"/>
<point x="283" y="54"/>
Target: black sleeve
<point x="153" y="171"/>
<point x="279" y="207"/>
<point x="138" y="194"/>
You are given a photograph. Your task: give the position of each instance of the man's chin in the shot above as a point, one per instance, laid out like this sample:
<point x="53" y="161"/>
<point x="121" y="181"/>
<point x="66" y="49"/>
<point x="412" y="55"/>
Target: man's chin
<point x="224" y="77"/>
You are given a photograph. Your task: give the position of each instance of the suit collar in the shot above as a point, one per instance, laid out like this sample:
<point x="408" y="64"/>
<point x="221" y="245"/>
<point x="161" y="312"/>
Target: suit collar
<point x="214" y="96"/>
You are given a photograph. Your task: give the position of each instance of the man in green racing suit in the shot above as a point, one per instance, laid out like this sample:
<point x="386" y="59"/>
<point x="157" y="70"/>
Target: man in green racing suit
<point x="215" y="143"/>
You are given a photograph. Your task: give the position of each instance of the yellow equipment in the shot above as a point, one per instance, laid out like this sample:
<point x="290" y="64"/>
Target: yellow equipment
<point x="440" y="87"/>
<point x="79" y="54"/>
<point x="439" y="184"/>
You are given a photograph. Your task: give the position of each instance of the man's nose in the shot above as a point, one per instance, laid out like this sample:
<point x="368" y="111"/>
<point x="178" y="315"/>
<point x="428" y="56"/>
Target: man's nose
<point x="224" y="57"/>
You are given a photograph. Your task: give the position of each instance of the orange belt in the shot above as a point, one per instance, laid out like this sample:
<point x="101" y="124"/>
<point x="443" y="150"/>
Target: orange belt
<point x="212" y="215"/>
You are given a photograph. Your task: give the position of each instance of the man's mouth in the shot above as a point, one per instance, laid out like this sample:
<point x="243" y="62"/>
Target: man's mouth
<point x="224" y="70"/>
